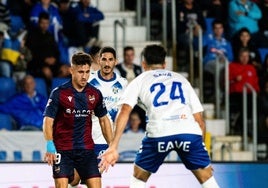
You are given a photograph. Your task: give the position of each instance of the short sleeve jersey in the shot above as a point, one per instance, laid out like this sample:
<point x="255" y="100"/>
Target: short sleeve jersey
<point x="111" y="91"/>
<point x="72" y="112"/>
<point x="170" y="102"/>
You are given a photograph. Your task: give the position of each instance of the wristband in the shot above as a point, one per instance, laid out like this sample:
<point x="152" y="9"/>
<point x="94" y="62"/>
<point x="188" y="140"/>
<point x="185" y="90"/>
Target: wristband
<point x="51" y="147"/>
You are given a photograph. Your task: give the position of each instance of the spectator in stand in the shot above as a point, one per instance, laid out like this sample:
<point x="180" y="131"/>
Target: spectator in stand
<point x="217" y="48"/>
<point x="240" y="73"/>
<point x="217" y="9"/>
<point x="25" y="56"/>
<point x="44" y="50"/>
<point x="244" y="13"/>
<point x="188" y="15"/>
<point x="263" y="116"/>
<point x="244" y="40"/>
<point x="27" y="107"/>
<point x="87" y="20"/>
<point x="94" y="52"/>
<point x="134" y="123"/>
<point x="55" y="22"/>
<point x="128" y="69"/>
<point x="263" y="23"/>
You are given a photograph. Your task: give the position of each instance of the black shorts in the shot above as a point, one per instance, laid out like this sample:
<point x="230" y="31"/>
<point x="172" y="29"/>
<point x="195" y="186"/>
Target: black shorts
<point x="84" y="161"/>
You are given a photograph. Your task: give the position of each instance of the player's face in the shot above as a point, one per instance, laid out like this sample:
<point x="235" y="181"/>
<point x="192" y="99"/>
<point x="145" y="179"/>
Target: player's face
<point x="107" y="63"/>
<point x="80" y="75"/>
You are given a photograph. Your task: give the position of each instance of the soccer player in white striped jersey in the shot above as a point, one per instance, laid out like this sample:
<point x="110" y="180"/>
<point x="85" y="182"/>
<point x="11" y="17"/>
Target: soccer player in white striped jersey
<point x="175" y="122"/>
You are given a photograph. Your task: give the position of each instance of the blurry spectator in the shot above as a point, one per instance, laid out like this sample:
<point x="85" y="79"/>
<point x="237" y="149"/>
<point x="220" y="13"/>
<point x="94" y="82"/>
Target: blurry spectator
<point x="94" y="52"/>
<point x="44" y="50"/>
<point x="27" y="107"/>
<point x="244" y="40"/>
<point x="20" y="67"/>
<point x="87" y="20"/>
<point x="20" y="11"/>
<point x="55" y="22"/>
<point x="263" y="115"/>
<point x="244" y="13"/>
<point x="134" y="123"/>
<point x="217" y="9"/>
<point x="188" y="15"/>
<point x="263" y="23"/>
<point x="4" y="16"/>
<point x="128" y="69"/>
<point x="216" y="49"/>
<point x="240" y="73"/>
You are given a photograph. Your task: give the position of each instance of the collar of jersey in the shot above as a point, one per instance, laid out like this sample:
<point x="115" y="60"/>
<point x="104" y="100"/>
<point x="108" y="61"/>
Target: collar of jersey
<point x="101" y="78"/>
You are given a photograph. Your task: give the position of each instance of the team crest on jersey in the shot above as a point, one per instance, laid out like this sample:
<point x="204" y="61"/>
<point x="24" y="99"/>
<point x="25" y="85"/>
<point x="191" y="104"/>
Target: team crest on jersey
<point x="115" y="90"/>
<point x="91" y="98"/>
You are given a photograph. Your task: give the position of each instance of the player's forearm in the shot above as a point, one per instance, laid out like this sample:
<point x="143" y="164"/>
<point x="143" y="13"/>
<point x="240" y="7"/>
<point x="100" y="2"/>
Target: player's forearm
<point x="120" y="124"/>
<point x="106" y="128"/>
<point x="199" y="119"/>
<point x="47" y="128"/>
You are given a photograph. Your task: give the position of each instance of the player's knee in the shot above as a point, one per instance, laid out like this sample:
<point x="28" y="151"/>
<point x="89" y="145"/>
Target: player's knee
<point x="203" y="174"/>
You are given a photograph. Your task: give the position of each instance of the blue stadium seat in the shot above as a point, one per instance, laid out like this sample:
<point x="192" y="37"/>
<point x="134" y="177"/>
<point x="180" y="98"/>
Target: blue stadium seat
<point x="209" y="22"/>
<point x="5" y="122"/>
<point x="263" y="53"/>
<point x="41" y="86"/>
<point x="3" y="155"/>
<point x="7" y="89"/>
<point x="36" y="156"/>
<point x="58" y="81"/>
<point x="17" y="156"/>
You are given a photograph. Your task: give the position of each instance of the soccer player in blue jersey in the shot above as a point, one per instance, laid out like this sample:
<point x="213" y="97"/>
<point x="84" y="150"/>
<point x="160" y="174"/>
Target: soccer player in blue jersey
<point x="111" y="86"/>
<point x="67" y="126"/>
<point x="174" y="122"/>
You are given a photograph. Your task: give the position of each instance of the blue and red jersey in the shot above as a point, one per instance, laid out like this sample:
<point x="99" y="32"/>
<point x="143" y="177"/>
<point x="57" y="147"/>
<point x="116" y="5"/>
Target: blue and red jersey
<point x="72" y="111"/>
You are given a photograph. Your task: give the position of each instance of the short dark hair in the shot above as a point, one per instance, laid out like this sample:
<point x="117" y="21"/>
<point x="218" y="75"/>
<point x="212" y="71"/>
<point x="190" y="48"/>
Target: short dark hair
<point x="154" y="54"/>
<point x="81" y="58"/>
<point x="43" y="16"/>
<point x="94" y="50"/>
<point x="127" y="48"/>
<point x="108" y="49"/>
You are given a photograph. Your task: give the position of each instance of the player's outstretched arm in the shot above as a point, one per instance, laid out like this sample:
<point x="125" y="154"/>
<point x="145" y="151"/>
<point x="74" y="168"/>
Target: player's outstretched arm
<point x="50" y="155"/>
<point x="106" y="128"/>
<point x="111" y="155"/>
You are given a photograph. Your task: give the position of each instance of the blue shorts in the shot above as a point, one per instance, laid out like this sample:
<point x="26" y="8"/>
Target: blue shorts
<point x="189" y="147"/>
<point x="99" y="149"/>
<point x="84" y="161"/>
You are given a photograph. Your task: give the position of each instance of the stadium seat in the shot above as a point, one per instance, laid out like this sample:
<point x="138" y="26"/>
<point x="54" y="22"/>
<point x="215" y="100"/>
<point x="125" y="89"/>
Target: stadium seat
<point x="263" y="53"/>
<point x="3" y="155"/>
<point x="209" y="29"/>
<point x="36" y="156"/>
<point x="41" y="86"/>
<point x="5" y="122"/>
<point x="17" y="156"/>
<point x="7" y="89"/>
<point x="58" y="81"/>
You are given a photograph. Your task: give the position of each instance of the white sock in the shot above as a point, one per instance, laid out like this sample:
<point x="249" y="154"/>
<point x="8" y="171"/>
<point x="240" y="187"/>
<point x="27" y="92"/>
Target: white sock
<point x="136" y="183"/>
<point x="210" y="183"/>
<point x="69" y="186"/>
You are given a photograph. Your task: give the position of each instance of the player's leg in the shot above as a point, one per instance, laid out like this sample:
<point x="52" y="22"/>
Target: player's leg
<point x="63" y="169"/>
<point x="139" y="178"/>
<point x="205" y="177"/>
<point x="75" y="181"/>
<point x="87" y="168"/>
<point x="93" y="182"/>
<point x="196" y="159"/>
<point x="147" y="161"/>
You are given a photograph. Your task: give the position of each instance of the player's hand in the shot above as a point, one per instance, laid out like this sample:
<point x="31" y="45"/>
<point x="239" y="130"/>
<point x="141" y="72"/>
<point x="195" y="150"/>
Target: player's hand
<point x="109" y="157"/>
<point x="50" y="156"/>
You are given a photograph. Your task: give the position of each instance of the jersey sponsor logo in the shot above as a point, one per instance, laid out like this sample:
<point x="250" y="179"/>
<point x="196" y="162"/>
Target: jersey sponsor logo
<point x="91" y="98"/>
<point x="171" y="145"/>
<point x="78" y="113"/>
